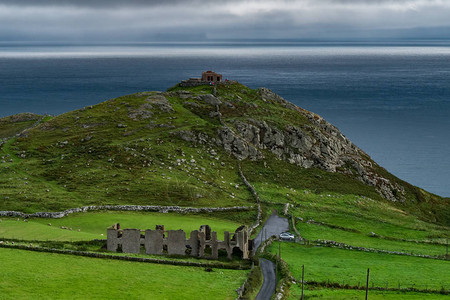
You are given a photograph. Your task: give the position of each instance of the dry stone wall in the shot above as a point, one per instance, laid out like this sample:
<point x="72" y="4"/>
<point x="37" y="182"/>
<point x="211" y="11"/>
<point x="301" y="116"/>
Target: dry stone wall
<point x="151" y="208"/>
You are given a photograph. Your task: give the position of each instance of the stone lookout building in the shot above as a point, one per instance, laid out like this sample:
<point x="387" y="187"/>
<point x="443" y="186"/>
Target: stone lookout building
<point x="208" y="77"/>
<point x="201" y="243"/>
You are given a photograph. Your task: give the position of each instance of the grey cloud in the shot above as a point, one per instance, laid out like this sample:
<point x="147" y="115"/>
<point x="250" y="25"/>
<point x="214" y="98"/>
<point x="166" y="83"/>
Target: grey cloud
<point x="195" y="19"/>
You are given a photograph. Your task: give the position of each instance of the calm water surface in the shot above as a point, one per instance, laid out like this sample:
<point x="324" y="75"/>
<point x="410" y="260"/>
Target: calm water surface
<point x="392" y="100"/>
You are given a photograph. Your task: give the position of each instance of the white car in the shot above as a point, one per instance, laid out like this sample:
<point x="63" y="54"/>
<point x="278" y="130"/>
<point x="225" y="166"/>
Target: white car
<point x="287" y="236"/>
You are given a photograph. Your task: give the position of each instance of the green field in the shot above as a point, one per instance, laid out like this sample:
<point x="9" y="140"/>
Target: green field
<point x="93" y="225"/>
<point x="339" y="294"/>
<point x="26" y="274"/>
<point x="349" y="267"/>
<point x="316" y="232"/>
<point x="357" y="221"/>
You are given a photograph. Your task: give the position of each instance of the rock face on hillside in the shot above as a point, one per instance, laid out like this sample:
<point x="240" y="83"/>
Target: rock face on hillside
<point x="316" y="144"/>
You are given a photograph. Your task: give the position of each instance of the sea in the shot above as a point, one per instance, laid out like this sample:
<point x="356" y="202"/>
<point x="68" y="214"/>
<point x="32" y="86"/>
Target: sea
<point x="392" y="99"/>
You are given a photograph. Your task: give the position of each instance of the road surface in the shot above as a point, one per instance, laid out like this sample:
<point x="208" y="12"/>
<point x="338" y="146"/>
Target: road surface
<point x="273" y="226"/>
<point x="268" y="286"/>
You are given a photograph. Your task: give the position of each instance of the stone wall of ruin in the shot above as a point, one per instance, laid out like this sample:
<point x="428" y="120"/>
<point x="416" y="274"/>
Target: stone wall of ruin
<point x="174" y="242"/>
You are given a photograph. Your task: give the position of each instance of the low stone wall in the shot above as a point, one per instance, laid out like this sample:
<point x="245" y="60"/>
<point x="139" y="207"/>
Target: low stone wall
<point x="334" y="244"/>
<point x="218" y="265"/>
<point x="151" y="208"/>
<point x="255" y="195"/>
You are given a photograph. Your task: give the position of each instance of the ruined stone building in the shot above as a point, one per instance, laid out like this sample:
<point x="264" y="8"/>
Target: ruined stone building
<point x="201" y="243"/>
<point x="208" y="77"/>
<point x="211" y="76"/>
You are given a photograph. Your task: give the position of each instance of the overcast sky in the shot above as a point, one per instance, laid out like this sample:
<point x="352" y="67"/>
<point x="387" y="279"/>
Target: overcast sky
<point x="143" y="20"/>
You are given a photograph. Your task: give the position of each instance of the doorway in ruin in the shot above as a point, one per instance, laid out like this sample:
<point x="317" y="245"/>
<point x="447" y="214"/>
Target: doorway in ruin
<point x="237" y="253"/>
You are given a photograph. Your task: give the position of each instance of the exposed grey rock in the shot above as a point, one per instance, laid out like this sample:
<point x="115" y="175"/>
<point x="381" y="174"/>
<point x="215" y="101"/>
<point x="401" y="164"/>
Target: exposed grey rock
<point x="160" y="102"/>
<point x="210" y="99"/>
<point x="143" y="112"/>
<point x="191" y="104"/>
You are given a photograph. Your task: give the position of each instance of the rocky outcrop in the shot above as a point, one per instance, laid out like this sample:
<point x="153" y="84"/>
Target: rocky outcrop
<point x="317" y="144"/>
<point x="314" y="144"/>
<point x="160" y="102"/>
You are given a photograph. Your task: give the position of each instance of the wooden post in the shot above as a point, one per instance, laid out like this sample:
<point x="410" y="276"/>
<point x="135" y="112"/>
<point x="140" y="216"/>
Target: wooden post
<point x="279" y="249"/>
<point x="276" y="271"/>
<point x="367" y="284"/>
<point x="303" y="279"/>
<point x="262" y="233"/>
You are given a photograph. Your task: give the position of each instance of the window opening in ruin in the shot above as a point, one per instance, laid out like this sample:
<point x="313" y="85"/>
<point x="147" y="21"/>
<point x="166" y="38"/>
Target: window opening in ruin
<point x="119" y="249"/>
<point x="188" y="250"/>
<point x="165" y="249"/>
<point x="208" y="251"/>
<point x="218" y="78"/>
<point x="222" y="253"/>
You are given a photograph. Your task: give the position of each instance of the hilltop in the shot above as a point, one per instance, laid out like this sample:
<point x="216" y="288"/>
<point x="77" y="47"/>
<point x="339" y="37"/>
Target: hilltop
<point x="184" y="147"/>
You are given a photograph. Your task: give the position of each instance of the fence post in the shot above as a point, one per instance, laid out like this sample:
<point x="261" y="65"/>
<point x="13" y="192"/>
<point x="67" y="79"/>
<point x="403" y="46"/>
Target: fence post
<point x="279" y="249"/>
<point x="276" y="271"/>
<point x="367" y="283"/>
<point x="303" y="279"/>
<point x="447" y="248"/>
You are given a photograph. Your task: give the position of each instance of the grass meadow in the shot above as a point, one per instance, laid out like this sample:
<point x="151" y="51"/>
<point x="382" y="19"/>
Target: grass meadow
<point x="323" y="264"/>
<point x="93" y="225"/>
<point x="26" y="274"/>
<point x="338" y="294"/>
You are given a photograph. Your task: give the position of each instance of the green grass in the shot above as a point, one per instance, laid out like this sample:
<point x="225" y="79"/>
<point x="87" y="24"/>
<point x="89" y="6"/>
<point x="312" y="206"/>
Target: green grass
<point x="10" y="126"/>
<point x="135" y="150"/>
<point x="53" y="276"/>
<point x="93" y="225"/>
<point x="354" y="219"/>
<point x="316" y="232"/>
<point x="338" y="266"/>
<point x="144" y="163"/>
<point x="338" y="294"/>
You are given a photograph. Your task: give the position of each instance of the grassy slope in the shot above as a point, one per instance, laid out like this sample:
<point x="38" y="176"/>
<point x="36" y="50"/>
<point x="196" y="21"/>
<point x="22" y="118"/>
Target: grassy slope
<point x="337" y="265"/>
<point x="337" y="294"/>
<point x="84" y="157"/>
<point x="10" y="126"/>
<point x="93" y="225"/>
<point x="113" y="165"/>
<point x="23" y="274"/>
<point x="127" y="150"/>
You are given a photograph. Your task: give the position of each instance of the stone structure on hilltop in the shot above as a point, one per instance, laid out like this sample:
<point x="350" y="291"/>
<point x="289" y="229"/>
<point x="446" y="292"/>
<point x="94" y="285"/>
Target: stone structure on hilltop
<point x="202" y="243"/>
<point x="208" y="77"/>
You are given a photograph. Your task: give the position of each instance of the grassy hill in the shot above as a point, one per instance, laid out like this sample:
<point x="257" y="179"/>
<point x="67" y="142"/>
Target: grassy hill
<point x="182" y="147"/>
<point x="185" y="147"/>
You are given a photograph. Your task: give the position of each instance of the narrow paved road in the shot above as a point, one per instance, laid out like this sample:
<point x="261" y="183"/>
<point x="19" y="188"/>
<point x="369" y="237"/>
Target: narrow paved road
<point x="268" y="286"/>
<point x="273" y="226"/>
